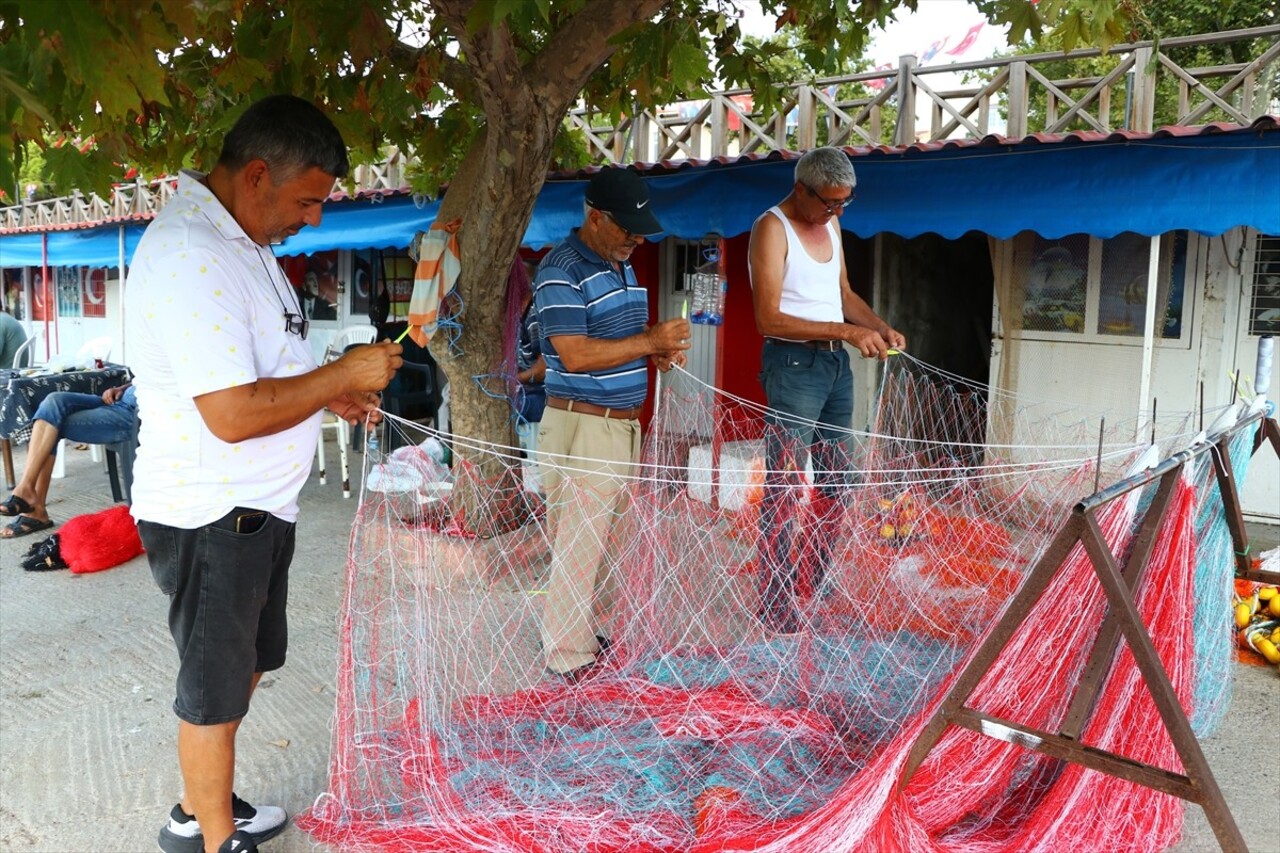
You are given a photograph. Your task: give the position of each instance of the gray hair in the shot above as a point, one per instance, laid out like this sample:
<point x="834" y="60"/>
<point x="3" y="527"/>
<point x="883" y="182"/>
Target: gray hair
<point x="826" y="167"/>
<point x="291" y="135"/>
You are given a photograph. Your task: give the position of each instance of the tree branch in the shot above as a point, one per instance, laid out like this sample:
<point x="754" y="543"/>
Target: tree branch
<point x="490" y="58"/>
<point x="581" y="46"/>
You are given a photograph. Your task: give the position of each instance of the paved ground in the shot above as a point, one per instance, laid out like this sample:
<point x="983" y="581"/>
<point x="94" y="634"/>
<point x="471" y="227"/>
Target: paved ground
<point x="86" y="733"/>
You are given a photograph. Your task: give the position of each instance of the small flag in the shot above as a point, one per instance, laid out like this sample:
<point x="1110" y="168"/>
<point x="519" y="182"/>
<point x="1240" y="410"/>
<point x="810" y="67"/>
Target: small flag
<point x="968" y="40"/>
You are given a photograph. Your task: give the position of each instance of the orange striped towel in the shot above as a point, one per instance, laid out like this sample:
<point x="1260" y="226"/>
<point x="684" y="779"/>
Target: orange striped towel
<point x="434" y="278"/>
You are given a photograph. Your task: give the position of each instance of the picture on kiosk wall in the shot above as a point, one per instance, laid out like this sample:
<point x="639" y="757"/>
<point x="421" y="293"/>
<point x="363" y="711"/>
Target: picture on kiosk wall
<point x="315" y="279"/>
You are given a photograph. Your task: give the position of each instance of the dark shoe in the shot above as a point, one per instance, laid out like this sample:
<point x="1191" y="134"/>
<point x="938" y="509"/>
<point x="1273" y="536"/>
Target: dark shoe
<point x="239" y="842"/>
<point x="182" y="833"/>
<point x="24" y="525"/>
<point x="15" y="506"/>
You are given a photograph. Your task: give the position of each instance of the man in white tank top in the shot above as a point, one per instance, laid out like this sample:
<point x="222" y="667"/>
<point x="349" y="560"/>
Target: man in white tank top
<point x="806" y="311"/>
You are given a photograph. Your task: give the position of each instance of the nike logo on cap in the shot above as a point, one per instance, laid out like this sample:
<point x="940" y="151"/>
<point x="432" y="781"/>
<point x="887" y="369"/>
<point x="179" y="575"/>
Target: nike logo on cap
<point x="641" y="204"/>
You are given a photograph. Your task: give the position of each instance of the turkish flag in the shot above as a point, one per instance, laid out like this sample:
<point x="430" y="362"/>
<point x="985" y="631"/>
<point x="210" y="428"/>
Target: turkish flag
<point x="880" y="82"/>
<point x="968" y="40"/>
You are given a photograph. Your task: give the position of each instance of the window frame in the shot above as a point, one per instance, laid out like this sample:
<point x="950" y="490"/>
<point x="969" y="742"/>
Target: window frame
<point x="1022" y="247"/>
<point x="1253" y="281"/>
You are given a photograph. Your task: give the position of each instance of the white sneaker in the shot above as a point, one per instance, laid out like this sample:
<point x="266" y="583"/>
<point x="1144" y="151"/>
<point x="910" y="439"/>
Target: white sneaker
<point x="182" y="833"/>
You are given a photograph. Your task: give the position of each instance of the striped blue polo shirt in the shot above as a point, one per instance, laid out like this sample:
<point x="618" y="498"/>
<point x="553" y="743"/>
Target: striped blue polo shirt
<point x="577" y="292"/>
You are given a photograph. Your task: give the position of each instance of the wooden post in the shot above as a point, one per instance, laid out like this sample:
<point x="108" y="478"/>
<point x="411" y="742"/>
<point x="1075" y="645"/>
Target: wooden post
<point x="1144" y="91"/>
<point x="807" y="131"/>
<point x="640" y="132"/>
<point x="905" y="131"/>
<point x="719" y="127"/>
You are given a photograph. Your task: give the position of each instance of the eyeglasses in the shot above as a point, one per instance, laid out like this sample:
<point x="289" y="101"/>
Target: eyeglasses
<point x="297" y="324"/>
<point x="294" y="324"/>
<point x="832" y="204"/>
<point x="625" y="233"/>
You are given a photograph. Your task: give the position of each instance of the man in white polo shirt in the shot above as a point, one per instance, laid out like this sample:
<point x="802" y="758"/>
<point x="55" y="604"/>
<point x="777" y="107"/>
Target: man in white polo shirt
<point x="229" y="398"/>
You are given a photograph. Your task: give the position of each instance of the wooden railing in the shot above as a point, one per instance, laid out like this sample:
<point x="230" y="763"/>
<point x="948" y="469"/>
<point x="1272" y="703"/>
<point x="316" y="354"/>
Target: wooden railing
<point x="1010" y="95"/>
<point x="883" y="107"/>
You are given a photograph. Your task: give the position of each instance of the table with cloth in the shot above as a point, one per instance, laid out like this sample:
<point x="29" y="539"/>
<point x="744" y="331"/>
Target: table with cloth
<point x="22" y="391"/>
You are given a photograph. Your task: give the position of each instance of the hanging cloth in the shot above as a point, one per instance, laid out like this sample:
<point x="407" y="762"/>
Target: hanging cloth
<point x="434" y="278"/>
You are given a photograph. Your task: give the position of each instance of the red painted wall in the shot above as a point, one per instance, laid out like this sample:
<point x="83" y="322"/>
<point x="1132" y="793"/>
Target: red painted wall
<point x="740" y="353"/>
<point x="645" y="262"/>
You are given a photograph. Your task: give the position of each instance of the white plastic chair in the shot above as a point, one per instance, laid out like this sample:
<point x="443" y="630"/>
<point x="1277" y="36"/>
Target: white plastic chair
<point x="22" y="350"/>
<point x="96" y="348"/>
<point x="347" y="336"/>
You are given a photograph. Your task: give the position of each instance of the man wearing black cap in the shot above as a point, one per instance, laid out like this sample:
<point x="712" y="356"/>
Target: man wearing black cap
<point x="596" y="337"/>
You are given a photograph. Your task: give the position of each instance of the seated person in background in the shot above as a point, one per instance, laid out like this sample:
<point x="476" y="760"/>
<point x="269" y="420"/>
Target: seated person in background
<point x="12" y="337"/>
<point x="532" y="372"/>
<point x="87" y="418"/>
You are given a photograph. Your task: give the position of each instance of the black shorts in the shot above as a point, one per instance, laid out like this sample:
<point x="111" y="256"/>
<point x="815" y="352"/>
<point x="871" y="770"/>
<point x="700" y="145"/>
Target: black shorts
<point x="227" y="594"/>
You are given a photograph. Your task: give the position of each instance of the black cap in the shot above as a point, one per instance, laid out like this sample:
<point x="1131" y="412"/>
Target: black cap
<point x="621" y="194"/>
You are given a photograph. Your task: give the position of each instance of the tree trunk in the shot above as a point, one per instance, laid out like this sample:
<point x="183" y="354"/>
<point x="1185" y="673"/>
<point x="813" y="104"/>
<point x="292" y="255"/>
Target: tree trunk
<point x="493" y="194"/>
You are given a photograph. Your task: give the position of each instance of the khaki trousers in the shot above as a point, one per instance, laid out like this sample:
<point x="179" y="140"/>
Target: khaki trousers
<point x="590" y="461"/>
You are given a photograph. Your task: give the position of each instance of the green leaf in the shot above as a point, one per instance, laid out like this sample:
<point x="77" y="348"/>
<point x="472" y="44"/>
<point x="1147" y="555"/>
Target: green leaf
<point x="688" y="64"/>
<point x="1024" y="20"/>
<point x="1071" y="30"/>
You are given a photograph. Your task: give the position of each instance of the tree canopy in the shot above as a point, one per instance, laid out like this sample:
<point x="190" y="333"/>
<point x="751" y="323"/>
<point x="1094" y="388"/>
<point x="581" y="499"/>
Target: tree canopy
<point x="478" y="90"/>
<point x="153" y="84"/>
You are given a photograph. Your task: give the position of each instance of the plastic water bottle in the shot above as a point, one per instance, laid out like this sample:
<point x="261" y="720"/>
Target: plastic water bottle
<point x="709" y="288"/>
<point x="715" y="308"/>
<point x="698" y="312"/>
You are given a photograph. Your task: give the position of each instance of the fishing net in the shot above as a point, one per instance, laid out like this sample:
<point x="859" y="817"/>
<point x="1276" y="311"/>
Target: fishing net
<point x="774" y="628"/>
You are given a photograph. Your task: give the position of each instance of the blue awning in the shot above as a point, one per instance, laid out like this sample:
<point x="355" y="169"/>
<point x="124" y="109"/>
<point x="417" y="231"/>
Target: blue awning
<point x="20" y="250"/>
<point x="1208" y="182"/>
<point x="89" y="247"/>
<point x="363" y="224"/>
<point x="1152" y="185"/>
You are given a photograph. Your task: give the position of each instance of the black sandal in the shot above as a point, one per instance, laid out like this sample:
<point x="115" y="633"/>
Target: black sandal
<point x="25" y="525"/>
<point x="15" y="506"/>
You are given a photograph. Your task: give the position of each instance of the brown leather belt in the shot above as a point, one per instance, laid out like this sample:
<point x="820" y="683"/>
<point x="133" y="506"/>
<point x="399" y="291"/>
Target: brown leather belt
<point x="584" y="408"/>
<point x="825" y="346"/>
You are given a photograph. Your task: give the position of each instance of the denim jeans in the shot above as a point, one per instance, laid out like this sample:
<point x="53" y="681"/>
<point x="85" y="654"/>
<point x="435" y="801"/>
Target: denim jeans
<point x="533" y="402"/>
<point x="85" y="418"/>
<point x="810" y="396"/>
<point x="228" y="587"/>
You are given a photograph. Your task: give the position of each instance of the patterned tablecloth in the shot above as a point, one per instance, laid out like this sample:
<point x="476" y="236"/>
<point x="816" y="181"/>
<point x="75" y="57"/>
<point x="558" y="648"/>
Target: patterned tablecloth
<point x="21" y="395"/>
